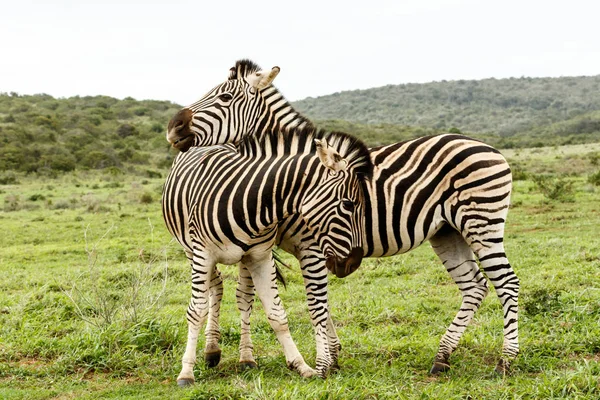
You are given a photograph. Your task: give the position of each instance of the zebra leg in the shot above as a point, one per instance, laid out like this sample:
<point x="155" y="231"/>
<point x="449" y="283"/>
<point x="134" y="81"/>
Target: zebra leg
<point x="334" y="344"/>
<point x="459" y="260"/>
<point x="197" y="312"/>
<point x="498" y="270"/>
<point x="244" y="295"/>
<point x="314" y="273"/>
<point x="212" y="351"/>
<point x="263" y="276"/>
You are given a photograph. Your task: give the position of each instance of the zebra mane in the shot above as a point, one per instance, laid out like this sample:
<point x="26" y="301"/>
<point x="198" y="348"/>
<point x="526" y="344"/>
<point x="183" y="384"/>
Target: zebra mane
<point x="242" y="68"/>
<point x="301" y="140"/>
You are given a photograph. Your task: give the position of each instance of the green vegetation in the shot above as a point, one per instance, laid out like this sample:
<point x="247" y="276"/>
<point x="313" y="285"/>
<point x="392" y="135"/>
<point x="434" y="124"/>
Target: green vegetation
<point x="509" y="113"/>
<point x="93" y="298"/>
<point x="42" y="134"/>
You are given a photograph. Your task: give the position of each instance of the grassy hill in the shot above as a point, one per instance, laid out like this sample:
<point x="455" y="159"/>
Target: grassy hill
<point x="512" y="112"/>
<point x="41" y="133"/>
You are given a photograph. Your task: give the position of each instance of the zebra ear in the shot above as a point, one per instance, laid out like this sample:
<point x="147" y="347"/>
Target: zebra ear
<point x="329" y="157"/>
<point x="262" y="79"/>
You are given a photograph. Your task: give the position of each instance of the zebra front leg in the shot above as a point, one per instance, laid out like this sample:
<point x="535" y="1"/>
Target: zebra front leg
<point x="244" y="295"/>
<point x="212" y="351"/>
<point x="335" y="346"/>
<point x="314" y="273"/>
<point x="197" y="312"/>
<point x="495" y="265"/>
<point x="459" y="260"/>
<point x="264" y="278"/>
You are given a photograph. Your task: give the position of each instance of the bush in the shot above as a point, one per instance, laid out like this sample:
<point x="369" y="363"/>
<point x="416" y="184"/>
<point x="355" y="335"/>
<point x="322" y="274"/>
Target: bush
<point x="62" y="162"/>
<point x="153" y="174"/>
<point x="126" y="130"/>
<point x="36" y="197"/>
<point x="146" y="198"/>
<point x="9" y="179"/>
<point x="518" y="174"/>
<point x="594" y="179"/>
<point x="97" y="160"/>
<point x="558" y="189"/>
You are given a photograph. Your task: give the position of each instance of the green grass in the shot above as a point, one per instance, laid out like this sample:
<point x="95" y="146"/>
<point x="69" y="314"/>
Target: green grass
<point x="81" y="246"/>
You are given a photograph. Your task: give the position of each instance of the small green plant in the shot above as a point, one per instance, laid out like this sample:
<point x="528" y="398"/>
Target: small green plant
<point x="9" y="178"/>
<point x="594" y="179"/>
<point x="518" y="173"/>
<point x="558" y="189"/>
<point x="36" y="197"/>
<point x="146" y="198"/>
<point x="542" y="301"/>
<point x="123" y="298"/>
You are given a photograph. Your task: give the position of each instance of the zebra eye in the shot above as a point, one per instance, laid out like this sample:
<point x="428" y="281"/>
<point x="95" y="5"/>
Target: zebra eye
<point x="348" y="205"/>
<point x="225" y="96"/>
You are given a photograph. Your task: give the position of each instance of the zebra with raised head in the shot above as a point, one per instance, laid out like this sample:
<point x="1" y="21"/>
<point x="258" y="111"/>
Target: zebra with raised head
<point x="224" y="204"/>
<point x="448" y="189"/>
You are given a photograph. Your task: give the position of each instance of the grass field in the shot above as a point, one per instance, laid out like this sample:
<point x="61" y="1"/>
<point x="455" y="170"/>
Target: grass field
<point x="93" y="296"/>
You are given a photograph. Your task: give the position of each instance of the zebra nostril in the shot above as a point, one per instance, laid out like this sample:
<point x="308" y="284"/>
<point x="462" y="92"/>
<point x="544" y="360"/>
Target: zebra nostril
<point x="180" y="120"/>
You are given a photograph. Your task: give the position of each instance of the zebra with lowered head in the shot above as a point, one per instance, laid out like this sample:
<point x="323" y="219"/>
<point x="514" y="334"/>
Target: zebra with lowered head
<point x="449" y="190"/>
<point x="224" y="204"/>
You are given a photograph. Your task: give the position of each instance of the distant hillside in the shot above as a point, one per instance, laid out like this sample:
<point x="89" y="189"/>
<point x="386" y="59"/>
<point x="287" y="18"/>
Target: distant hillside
<point x="40" y="132"/>
<point x="503" y="107"/>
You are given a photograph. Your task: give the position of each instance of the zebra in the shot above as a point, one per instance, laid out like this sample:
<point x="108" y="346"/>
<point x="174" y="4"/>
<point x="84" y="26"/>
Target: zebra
<point x="223" y="205"/>
<point x="450" y="190"/>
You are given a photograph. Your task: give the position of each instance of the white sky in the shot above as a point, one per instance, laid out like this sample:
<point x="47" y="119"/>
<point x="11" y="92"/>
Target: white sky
<point x="178" y="50"/>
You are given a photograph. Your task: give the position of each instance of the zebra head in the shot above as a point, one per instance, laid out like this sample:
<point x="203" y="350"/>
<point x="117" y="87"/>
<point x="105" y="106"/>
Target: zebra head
<point x="228" y="112"/>
<point x="334" y="209"/>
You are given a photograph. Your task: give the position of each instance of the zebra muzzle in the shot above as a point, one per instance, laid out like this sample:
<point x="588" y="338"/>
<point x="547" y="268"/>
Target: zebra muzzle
<point x="342" y="267"/>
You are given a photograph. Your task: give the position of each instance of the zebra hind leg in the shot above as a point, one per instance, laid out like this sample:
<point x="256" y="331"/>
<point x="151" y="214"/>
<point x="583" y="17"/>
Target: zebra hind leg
<point x="244" y="295"/>
<point x="500" y="273"/>
<point x="212" y="351"/>
<point x="459" y="260"/>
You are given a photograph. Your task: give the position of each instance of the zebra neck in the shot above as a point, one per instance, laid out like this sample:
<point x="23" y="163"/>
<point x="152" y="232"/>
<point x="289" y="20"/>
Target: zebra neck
<point x="277" y="113"/>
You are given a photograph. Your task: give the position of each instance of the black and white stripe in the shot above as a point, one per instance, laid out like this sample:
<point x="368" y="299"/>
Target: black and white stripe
<point x="223" y="204"/>
<point x="448" y="189"/>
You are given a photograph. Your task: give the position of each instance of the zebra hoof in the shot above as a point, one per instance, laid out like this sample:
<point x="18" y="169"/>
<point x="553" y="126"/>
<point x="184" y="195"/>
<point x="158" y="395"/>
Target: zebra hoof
<point x="503" y="368"/>
<point x="185" y="382"/>
<point x="335" y="366"/>
<point x="439" y="367"/>
<point x="212" y="359"/>
<point x="246" y="365"/>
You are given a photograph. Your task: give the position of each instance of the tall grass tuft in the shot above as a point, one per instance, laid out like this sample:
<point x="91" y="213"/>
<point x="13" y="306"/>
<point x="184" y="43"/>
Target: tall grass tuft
<point x="557" y="189"/>
<point x="127" y="298"/>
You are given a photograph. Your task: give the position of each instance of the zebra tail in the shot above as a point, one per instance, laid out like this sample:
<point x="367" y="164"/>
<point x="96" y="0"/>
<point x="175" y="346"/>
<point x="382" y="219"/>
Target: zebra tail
<point x="278" y="264"/>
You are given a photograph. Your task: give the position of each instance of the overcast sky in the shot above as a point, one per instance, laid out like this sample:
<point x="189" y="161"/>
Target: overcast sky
<point x="178" y="50"/>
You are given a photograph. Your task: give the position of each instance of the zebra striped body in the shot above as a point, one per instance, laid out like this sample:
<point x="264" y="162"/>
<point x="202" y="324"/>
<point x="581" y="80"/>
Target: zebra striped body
<point x="223" y="204"/>
<point x="448" y="189"/>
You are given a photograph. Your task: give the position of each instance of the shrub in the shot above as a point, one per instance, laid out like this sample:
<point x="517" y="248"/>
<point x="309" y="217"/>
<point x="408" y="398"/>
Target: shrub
<point x="146" y="198"/>
<point x="558" y="189"/>
<point x="62" y="162"/>
<point x="12" y="203"/>
<point x="126" y="130"/>
<point x="594" y="179"/>
<point x="36" y="197"/>
<point x="9" y="179"/>
<point x="157" y="128"/>
<point x="153" y="174"/>
<point x="518" y="174"/>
